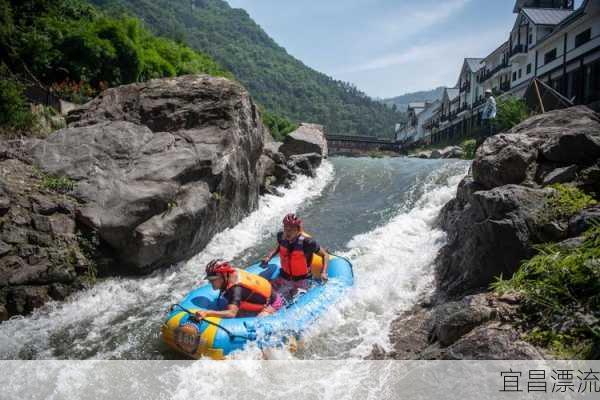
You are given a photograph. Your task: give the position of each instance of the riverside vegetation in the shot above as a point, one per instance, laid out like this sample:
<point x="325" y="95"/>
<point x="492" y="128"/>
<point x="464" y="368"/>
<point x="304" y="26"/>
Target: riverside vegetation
<point x="78" y="51"/>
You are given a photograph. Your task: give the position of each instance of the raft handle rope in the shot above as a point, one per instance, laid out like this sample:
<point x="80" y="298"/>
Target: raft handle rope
<point x="194" y="318"/>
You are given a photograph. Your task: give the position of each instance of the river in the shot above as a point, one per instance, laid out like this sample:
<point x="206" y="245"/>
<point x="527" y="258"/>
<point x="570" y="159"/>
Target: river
<point x="377" y="212"/>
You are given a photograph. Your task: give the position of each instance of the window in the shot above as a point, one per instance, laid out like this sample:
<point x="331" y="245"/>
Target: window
<point x="528" y="69"/>
<point x="583" y="37"/>
<point x="514" y="76"/>
<point x="550" y="56"/>
<point x="530" y="38"/>
<point x="520" y="73"/>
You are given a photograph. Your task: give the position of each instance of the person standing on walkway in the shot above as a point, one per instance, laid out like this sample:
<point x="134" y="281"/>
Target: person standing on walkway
<point x="488" y="115"/>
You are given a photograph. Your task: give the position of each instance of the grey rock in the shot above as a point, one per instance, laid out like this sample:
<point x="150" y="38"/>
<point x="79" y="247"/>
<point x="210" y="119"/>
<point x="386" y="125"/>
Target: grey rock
<point x="42" y="205"/>
<point x="161" y="166"/>
<point x="491" y="342"/>
<point x="308" y="138"/>
<point x="561" y="175"/>
<point x="583" y="221"/>
<point x="488" y="237"/>
<point x="505" y="159"/>
<point x="453" y="320"/>
<point x="4" y="205"/>
<point x="3" y="313"/>
<point x="13" y="235"/>
<point x="571" y="243"/>
<point x="41" y="223"/>
<point x="447" y="152"/>
<point x="21" y="300"/>
<point x="4" y="248"/>
<point x="304" y="164"/>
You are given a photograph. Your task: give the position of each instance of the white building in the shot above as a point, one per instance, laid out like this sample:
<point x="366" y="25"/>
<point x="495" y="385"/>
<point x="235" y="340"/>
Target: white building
<point x="549" y="40"/>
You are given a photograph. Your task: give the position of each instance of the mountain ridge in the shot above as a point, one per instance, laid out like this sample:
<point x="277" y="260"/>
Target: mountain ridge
<point x="279" y="82"/>
<point x="402" y="101"/>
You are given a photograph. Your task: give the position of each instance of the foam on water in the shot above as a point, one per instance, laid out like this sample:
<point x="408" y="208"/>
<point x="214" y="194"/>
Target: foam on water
<point x="393" y="266"/>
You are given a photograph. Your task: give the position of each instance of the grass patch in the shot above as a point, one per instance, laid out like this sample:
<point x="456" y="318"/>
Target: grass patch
<point x="469" y="147"/>
<point x="59" y="184"/>
<point x="568" y="201"/>
<point x="560" y="288"/>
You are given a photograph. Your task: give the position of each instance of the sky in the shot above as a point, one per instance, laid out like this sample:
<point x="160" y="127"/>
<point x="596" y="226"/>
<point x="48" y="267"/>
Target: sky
<point x="385" y="47"/>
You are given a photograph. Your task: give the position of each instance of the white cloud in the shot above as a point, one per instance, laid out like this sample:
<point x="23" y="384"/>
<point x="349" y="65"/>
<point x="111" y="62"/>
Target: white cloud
<point x="416" y="20"/>
<point x="422" y="66"/>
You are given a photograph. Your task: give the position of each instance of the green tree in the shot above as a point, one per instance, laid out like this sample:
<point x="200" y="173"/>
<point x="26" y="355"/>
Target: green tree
<point x="511" y="112"/>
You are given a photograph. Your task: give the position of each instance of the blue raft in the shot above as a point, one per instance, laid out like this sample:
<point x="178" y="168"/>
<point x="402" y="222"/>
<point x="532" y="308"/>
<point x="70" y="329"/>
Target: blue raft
<point x="218" y="337"/>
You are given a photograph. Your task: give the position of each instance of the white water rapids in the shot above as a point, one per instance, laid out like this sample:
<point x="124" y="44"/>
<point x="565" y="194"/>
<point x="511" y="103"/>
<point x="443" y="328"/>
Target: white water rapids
<point x="379" y="213"/>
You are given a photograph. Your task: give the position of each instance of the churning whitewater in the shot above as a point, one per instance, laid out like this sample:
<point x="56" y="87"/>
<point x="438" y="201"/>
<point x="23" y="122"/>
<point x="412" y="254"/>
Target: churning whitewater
<point x="379" y="213"/>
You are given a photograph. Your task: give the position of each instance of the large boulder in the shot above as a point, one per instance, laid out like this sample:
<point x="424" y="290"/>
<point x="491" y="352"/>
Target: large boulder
<point x="161" y="166"/>
<point x="554" y="140"/>
<point x="500" y="211"/>
<point x="308" y="138"/>
<point x="489" y="234"/>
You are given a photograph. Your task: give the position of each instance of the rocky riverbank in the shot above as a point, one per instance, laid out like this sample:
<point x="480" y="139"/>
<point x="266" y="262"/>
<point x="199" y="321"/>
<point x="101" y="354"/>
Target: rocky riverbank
<point x="444" y="153"/>
<point x="535" y="184"/>
<point x="142" y="178"/>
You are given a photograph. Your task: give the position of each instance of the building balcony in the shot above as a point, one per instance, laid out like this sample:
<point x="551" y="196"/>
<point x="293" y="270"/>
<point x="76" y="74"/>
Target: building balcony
<point x="488" y="74"/>
<point x="466" y="86"/>
<point x="519" y="49"/>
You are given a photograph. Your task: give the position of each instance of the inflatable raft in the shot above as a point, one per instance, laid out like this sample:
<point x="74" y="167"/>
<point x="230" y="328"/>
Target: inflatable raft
<point x="218" y="337"/>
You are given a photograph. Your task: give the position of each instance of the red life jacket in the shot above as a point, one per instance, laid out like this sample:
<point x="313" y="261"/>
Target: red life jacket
<point x="293" y="259"/>
<point x="256" y="285"/>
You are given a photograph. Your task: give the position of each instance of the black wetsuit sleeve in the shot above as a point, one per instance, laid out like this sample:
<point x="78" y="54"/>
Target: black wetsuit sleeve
<point x="234" y="295"/>
<point x="279" y="238"/>
<point x="311" y="246"/>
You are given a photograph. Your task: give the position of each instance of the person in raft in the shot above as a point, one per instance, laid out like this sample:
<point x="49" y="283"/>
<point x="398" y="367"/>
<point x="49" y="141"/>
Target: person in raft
<point x="247" y="295"/>
<point x="300" y="257"/>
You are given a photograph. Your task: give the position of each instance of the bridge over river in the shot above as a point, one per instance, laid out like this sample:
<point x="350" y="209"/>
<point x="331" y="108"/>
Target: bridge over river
<point x="341" y="144"/>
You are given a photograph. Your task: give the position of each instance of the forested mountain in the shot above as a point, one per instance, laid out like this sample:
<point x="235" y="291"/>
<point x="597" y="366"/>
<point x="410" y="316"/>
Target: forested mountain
<point x="279" y="82"/>
<point x="77" y="50"/>
<point x="401" y="102"/>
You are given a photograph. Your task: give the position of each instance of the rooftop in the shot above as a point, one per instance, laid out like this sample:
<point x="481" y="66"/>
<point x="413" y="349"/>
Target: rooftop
<point x="546" y="16"/>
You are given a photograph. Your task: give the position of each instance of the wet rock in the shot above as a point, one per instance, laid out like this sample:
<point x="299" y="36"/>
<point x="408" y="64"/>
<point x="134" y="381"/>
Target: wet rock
<point x="301" y="164"/>
<point x="21" y="300"/>
<point x="308" y="138"/>
<point x="561" y="175"/>
<point x="59" y="291"/>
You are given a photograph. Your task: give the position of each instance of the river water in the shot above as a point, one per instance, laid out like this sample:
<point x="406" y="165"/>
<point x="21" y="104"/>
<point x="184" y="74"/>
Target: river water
<point x="377" y="212"/>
